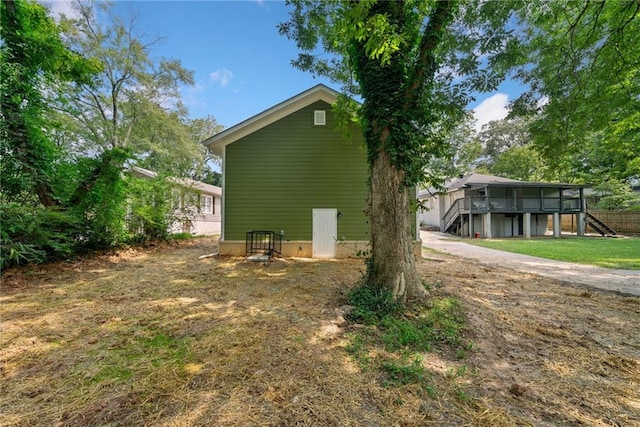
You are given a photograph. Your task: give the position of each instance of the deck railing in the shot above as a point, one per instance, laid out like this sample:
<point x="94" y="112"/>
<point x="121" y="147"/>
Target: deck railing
<point x="510" y="205"/>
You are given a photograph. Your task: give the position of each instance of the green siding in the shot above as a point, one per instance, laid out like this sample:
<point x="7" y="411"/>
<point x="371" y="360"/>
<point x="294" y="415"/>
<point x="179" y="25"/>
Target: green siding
<point x="277" y="175"/>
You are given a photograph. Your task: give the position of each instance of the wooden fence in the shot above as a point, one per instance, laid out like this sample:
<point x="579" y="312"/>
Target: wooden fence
<point x="623" y="222"/>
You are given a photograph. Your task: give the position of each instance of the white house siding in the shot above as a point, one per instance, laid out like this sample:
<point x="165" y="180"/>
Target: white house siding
<point x="431" y="214"/>
<point x="198" y="223"/>
<point x="201" y="225"/>
<point x="204" y="223"/>
<point x="207" y="226"/>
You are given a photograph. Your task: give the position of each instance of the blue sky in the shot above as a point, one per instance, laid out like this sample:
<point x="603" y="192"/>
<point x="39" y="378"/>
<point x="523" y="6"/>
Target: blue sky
<point x="241" y="63"/>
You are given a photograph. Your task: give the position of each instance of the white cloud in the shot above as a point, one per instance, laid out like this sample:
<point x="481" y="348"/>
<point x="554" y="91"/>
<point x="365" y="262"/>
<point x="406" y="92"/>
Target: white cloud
<point x="492" y="108"/>
<point x="222" y="76"/>
<point x="61" y="7"/>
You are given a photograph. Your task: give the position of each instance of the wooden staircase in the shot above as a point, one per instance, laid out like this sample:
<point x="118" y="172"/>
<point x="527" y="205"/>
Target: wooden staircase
<point x="454" y="224"/>
<point x="599" y="226"/>
<point x="453" y="218"/>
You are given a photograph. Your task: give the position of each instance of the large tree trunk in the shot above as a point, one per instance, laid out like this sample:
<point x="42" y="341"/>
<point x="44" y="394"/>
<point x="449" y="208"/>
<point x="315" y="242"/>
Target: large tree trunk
<point x="395" y="94"/>
<point x="392" y="264"/>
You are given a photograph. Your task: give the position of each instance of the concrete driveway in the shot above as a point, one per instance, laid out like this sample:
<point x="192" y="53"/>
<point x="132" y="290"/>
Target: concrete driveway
<point x="622" y="281"/>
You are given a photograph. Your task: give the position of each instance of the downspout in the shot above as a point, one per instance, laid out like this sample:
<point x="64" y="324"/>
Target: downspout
<point x="223" y="215"/>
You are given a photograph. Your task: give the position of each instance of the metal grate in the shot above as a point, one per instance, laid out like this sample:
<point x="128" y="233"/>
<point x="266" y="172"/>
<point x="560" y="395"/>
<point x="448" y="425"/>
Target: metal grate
<point x="264" y="243"/>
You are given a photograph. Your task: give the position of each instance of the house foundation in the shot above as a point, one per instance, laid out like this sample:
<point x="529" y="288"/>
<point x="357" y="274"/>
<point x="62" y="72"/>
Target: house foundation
<point x="304" y="248"/>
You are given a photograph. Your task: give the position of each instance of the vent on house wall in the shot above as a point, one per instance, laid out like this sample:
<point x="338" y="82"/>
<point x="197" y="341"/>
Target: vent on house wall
<point x="319" y="118"/>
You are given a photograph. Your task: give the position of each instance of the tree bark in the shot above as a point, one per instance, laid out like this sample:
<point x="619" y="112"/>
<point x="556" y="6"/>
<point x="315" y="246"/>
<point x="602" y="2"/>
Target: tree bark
<point x="392" y="264"/>
<point x="394" y="93"/>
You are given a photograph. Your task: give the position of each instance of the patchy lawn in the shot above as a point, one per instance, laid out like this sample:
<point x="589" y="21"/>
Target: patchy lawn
<point x="158" y="337"/>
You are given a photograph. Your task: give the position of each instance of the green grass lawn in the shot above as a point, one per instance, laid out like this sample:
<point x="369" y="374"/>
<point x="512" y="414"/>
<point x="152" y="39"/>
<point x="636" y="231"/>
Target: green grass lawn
<point x="608" y="253"/>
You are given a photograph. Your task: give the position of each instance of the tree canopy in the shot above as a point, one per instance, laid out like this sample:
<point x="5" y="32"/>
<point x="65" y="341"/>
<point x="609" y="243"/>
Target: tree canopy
<point x="583" y="69"/>
<point x="414" y="64"/>
<point x="33" y="57"/>
<point x="81" y="100"/>
<point x="134" y="103"/>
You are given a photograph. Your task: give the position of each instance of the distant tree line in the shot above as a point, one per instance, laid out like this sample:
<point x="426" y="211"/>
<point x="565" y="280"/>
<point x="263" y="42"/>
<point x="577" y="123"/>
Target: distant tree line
<point x="579" y="120"/>
<point x="82" y="99"/>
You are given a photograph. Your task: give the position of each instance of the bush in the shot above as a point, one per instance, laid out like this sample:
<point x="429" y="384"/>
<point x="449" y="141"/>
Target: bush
<point x="152" y="209"/>
<point x="14" y="253"/>
<point x="36" y="234"/>
<point x="101" y="204"/>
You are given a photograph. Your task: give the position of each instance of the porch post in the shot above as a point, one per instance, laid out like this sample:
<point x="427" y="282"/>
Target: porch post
<point x="556" y="224"/>
<point x="471" y="231"/>
<point x="526" y="225"/>
<point x="486" y="198"/>
<point x="581" y="223"/>
<point x="487" y="225"/>
<point x="541" y="199"/>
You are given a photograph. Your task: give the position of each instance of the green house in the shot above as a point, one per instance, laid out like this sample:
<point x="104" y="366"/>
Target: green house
<point x="290" y="172"/>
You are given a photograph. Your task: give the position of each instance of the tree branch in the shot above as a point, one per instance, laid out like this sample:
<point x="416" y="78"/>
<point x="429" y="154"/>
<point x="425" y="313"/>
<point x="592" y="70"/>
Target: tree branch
<point x="427" y="65"/>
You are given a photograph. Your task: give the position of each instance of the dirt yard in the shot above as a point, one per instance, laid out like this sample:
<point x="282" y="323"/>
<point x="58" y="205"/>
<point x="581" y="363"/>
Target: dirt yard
<point x="158" y="337"/>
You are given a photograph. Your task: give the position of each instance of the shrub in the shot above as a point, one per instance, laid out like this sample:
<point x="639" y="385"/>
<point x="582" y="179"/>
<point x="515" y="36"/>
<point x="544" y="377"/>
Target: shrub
<point x="150" y="210"/>
<point x="372" y="304"/>
<point x="36" y="234"/>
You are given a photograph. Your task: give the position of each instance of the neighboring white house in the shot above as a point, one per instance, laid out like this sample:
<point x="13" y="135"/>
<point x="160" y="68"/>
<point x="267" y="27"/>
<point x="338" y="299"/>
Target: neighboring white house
<point x="491" y="206"/>
<point x="435" y="204"/>
<point x="200" y="212"/>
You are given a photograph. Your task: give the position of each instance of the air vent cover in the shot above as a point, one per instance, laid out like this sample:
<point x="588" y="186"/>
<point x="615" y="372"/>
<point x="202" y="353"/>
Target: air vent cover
<point x="319" y="117"/>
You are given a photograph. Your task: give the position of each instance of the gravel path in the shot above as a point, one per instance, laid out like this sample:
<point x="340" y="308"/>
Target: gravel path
<point x="621" y="281"/>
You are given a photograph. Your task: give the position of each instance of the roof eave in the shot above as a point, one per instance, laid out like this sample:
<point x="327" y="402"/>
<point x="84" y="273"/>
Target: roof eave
<point x="525" y="184"/>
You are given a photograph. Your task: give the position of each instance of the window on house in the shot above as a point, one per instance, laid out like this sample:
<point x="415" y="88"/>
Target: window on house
<point x="319" y="118"/>
<point x="206" y="205"/>
<point x="190" y="202"/>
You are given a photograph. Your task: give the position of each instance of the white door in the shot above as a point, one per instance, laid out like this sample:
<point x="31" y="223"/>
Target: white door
<point x="325" y="231"/>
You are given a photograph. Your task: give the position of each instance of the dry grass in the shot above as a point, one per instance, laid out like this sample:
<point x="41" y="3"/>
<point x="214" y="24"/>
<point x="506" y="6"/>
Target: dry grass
<point x="158" y="337"/>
